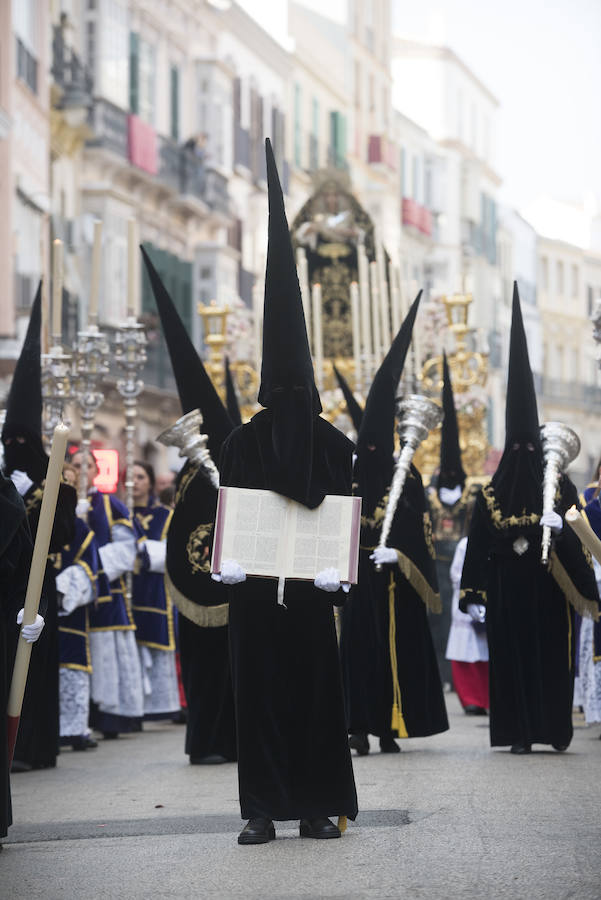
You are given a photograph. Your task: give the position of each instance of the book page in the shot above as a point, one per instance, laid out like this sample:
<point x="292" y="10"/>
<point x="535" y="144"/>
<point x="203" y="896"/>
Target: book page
<point x="321" y="538"/>
<point x="253" y="525"/>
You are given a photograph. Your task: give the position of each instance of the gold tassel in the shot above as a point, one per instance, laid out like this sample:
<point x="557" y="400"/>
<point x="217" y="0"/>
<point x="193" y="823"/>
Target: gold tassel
<point x="342" y="823"/>
<point x="588" y="608"/>
<point x="397" y="720"/>
<point x="419" y="583"/>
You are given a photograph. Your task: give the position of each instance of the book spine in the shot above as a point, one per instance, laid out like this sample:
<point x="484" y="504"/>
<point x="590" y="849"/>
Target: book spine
<point x="353" y="573"/>
<point x="219" y="526"/>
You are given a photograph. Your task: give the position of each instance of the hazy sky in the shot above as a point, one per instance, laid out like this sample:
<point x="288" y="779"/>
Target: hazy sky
<point x="541" y="59"/>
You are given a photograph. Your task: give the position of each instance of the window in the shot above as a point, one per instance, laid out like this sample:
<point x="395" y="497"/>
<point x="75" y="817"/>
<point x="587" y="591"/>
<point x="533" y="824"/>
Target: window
<point x="544" y="273"/>
<point x="590" y="300"/>
<point x="298" y="149"/>
<point x="560" y="281"/>
<point x="415" y="179"/>
<point x="337" y="139"/>
<point x="174" y="105"/>
<point x="112" y="53"/>
<point x="372" y="93"/>
<point x="575" y="282"/>
<point x="357" y="84"/>
<point x="402" y="173"/>
<point x="142" y="78"/>
<point x="134" y="72"/>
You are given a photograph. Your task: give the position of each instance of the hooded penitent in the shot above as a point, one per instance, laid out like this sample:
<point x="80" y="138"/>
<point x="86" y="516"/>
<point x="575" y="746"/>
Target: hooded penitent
<point x="518" y="480"/>
<point x="451" y="469"/>
<point x="286" y="431"/>
<point x="230" y="396"/>
<point x="375" y="442"/>
<point x="354" y="409"/>
<point x="24" y="405"/>
<point x="194" y="386"/>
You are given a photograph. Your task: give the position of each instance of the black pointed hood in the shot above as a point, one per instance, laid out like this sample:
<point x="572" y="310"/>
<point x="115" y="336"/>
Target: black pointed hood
<point x="195" y="388"/>
<point x="375" y="442"/>
<point x="24" y="403"/>
<point x="231" y="398"/>
<point x="451" y="468"/>
<point x="352" y="404"/>
<point x="285" y="429"/>
<point x="519" y="477"/>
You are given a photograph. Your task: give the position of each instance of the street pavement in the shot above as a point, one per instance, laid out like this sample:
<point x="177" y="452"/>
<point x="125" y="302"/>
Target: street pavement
<point x="448" y="817"/>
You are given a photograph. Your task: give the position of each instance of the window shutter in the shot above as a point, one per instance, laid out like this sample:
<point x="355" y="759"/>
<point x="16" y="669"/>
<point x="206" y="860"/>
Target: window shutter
<point x="134" y="72"/>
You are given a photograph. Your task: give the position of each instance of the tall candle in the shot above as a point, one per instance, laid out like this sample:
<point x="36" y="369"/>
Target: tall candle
<point x="45" y="283"/>
<point x="375" y="312"/>
<point x="365" y="317"/>
<point x="57" y="291"/>
<point x="302" y="267"/>
<point x="317" y="335"/>
<point x="356" y="333"/>
<point x="95" y="280"/>
<point x="395" y="298"/>
<point x="36" y="577"/>
<point x="132" y="257"/>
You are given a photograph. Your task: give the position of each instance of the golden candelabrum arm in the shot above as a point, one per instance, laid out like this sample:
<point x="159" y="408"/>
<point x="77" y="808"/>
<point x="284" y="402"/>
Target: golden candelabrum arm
<point x="186" y="435"/>
<point x="561" y="446"/>
<point x="418" y="416"/>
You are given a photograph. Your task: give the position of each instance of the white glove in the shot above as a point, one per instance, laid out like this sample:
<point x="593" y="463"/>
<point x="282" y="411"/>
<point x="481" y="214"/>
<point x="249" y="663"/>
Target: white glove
<point x="553" y="520"/>
<point x="450" y="496"/>
<point x="82" y="509"/>
<point x="21" y="481"/>
<point x="328" y="580"/>
<point x="30" y="632"/>
<point x="382" y="555"/>
<point x="477" y="612"/>
<point x="231" y="572"/>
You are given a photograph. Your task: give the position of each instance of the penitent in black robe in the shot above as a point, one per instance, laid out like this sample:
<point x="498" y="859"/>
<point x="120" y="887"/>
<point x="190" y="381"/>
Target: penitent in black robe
<point x="529" y="618"/>
<point x="38" y="736"/>
<point x="15" y="556"/>
<point x="293" y="756"/>
<point x="391" y="677"/>
<point x="202" y="623"/>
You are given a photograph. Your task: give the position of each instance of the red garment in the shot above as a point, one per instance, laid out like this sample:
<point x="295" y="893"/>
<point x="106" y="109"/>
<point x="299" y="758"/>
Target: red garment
<point x="182" y="695"/>
<point x="471" y="683"/>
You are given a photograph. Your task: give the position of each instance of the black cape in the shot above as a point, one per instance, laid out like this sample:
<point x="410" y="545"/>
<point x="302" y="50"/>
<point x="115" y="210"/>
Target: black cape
<point x="529" y="618"/>
<point x="375" y="688"/>
<point x="203" y="608"/>
<point x="15" y="556"/>
<point x="293" y="755"/>
<point x="38" y="735"/>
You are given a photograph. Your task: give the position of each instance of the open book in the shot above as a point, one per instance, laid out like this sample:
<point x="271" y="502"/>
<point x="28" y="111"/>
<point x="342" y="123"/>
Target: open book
<point x="272" y="536"/>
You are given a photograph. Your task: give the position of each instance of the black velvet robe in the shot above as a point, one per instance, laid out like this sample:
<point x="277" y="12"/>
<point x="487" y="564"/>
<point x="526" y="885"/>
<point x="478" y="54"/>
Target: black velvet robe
<point x="15" y="556"/>
<point x="38" y="735"/>
<point x="202" y="623"/>
<point x="529" y="618"/>
<point x="293" y="756"/>
<point x="366" y="637"/>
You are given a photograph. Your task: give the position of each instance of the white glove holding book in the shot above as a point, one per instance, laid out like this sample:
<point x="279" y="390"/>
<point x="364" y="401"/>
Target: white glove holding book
<point x="30" y="632"/>
<point x="329" y="580"/>
<point x="553" y="520"/>
<point x="231" y="572"/>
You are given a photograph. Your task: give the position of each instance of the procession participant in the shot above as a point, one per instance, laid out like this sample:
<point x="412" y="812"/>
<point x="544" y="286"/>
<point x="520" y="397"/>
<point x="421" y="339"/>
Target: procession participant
<point x="116" y="685"/>
<point x="26" y="461"/>
<point x="529" y="608"/>
<point x="451" y="497"/>
<point x="467" y="647"/>
<point x="293" y="756"/>
<point x="354" y="409"/>
<point x="77" y="568"/>
<point x="588" y="681"/>
<point x="152" y="607"/>
<point x="201" y="602"/>
<point x="391" y="679"/>
<point x="15" y="557"/>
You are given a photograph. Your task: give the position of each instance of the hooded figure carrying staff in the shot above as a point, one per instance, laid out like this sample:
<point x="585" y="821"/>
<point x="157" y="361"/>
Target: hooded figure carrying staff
<point x="293" y="757"/>
<point x="529" y="607"/>
<point x="391" y="679"/>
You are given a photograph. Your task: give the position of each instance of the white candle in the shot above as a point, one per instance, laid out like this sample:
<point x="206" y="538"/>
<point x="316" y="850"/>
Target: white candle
<point x="365" y="318"/>
<point x="302" y="267"/>
<point x="132" y="256"/>
<point x="375" y="312"/>
<point x="356" y="333"/>
<point x="395" y="298"/>
<point x="95" y="279"/>
<point x="38" y="565"/>
<point x="57" y="291"/>
<point x="317" y="336"/>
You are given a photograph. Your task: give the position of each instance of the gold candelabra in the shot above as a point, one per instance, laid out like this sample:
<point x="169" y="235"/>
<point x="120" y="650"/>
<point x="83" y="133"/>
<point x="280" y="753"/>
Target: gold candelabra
<point x="245" y="377"/>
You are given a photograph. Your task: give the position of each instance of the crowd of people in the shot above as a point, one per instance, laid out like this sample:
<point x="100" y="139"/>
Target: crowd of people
<point x="135" y="626"/>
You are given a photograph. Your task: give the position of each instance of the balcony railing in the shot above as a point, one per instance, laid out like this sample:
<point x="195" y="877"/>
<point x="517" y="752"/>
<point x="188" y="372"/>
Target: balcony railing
<point x="109" y="124"/>
<point x="572" y="393"/>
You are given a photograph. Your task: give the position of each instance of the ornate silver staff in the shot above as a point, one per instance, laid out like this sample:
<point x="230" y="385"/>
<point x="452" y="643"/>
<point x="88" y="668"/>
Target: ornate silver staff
<point x="57" y="388"/>
<point x="90" y="366"/>
<point x="561" y="446"/>
<point x="130" y="356"/>
<point x="417" y="417"/>
<point x="186" y="435"/>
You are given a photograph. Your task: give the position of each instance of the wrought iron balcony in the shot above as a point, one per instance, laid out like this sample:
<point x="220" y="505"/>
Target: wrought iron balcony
<point x="109" y="124"/>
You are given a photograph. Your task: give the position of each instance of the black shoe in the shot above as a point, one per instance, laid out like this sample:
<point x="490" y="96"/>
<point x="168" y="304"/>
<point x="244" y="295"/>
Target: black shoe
<point x="257" y="831"/>
<point x="213" y="759"/>
<point x="520" y="749"/>
<point x="19" y="765"/>
<point x="471" y="710"/>
<point x="560" y="747"/>
<point x="83" y="742"/>
<point x="181" y="717"/>
<point x="360" y="743"/>
<point x="388" y="744"/>
<point x="322" y="829"/>
<point x="110" y="735"/>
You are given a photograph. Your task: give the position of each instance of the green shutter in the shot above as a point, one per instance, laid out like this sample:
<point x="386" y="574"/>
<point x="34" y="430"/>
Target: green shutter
<point x="134" y="72"/>
<point x="174" y="131"/>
